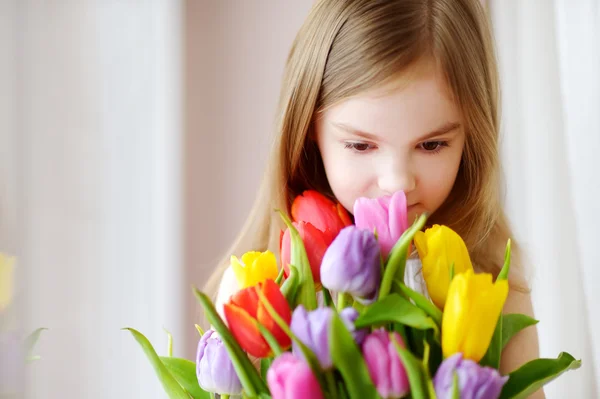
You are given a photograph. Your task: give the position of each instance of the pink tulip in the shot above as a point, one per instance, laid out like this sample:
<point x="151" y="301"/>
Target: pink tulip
<point x="291" y="378"/>
<point x="387" y="215"/>
<point x="384" y="364"/>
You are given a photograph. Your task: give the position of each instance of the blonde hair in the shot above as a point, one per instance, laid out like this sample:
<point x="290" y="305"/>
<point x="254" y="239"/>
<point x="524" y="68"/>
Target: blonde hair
<point x="348" y="46"/>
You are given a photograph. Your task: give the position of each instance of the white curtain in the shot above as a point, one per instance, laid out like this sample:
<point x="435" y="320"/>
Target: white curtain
<point x="99" y="182"/>
<point x="549" y="54"/>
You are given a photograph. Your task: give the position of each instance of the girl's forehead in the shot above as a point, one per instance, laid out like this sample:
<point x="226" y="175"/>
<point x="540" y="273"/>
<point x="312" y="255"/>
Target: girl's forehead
<point x="415" y="104"/>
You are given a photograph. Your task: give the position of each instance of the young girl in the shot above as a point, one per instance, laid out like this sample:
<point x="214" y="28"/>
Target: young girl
<point x="387" y="95"/>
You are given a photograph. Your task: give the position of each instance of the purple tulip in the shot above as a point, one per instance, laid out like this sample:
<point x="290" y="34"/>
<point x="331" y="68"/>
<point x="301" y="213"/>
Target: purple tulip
<point x="214" y="369"/>
<point x="312" y="328"/>
<point x="387" y="215"/>
<point x="384" y="364"/>
<point x="349" y="316"/>
<point x="352" y="264"/>
<point x="474" y="381"/>
<point x="291" y="378"/>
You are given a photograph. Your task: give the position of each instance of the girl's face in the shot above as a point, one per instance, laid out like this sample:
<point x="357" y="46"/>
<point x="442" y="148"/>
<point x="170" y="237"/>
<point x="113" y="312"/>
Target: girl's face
<point x="408" y="137"/>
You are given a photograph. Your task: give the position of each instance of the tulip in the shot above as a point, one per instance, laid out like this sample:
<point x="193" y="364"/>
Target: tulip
<point x="318" y="221"/>
<point x="312" y="328"/>
<point x="387" y="216"/>
<point x="244" y="310"/>
<point x="474" y="381"/>
<point x="255" y="267"/>
<point x="314" y="208"/>
<point x="439" y="247"/>
<point x="315" y="242"/>
<point x="384" y="364"/>
<point x="291" y="378"/>
<point x="214" y="369"/>
<point x="6" y="280"/>
<point x="352" y="264"/>
<point x="349" y="316"/>
<point x="472" y="310"/>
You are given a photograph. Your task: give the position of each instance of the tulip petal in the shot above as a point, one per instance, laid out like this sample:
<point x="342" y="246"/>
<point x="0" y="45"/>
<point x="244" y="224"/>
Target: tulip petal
<point x="291" y="378"/>
<point x="314" y="208"/>
<point x="246" y="299"/>
<point x="438" y="248"/>
<point x="398" y="215"/>
<point x="281" y="306"/>
<point x="246" y="333"/>
<point x="472" y="309"/>
<point x="315" y="242"/>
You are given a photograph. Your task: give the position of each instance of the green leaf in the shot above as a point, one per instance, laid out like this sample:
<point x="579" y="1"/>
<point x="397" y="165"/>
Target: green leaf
<point x="306" y="289"/>
<point x="327" y="300"/>
<point x="503" y="275"/>
<point x="169" y="383"/>
<point x="273" y="344"/>
<point x="414" y="371"/>
<point x="455" y="387"/>
<point x="396" y="262"/>
<point x="494" y="353"/>
<point x="249" y="377"/>
<point x="265" y="363"/>
<point x="280" y="276"/>
<point x="289" y="288"/>
<point x="199" y="329"/>
<point x="535" y="374"/>
<point x="395" y="308"/>
<point x="184" y="371"/>
<point x="349" y="361"/>
<point x="421" y="301"/>
<point x="169" y="342"/>
<point x="30" y="342"/>
<point x="513" y="323"/>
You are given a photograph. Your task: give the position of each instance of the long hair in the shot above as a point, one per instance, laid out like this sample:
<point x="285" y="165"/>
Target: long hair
<point x="348" y="46"/>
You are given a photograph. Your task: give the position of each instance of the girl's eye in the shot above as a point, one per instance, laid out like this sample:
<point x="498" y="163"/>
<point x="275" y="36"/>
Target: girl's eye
<point x="433" y="146"/>
<point x="358" y="146"/>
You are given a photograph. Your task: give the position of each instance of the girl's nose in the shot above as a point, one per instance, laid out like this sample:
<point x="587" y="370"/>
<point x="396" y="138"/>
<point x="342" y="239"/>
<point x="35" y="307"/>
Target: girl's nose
<point x="396" y="178"/>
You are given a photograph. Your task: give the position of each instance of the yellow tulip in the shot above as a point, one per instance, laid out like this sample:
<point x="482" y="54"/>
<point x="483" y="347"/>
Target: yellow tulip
<point x="6" y="280"/>
<point x="438" y="247"/>
<point x="472" y="310"/>
<point x="255" y="267"/>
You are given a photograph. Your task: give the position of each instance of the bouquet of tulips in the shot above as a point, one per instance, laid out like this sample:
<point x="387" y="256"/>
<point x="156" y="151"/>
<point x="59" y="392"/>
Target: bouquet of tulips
<point x="337" y="320"/>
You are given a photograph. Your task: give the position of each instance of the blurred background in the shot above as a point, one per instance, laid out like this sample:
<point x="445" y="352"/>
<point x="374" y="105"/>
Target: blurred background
<point x="133" y="135"/>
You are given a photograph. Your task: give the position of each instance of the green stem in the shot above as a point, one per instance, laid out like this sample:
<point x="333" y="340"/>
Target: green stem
<point x="271" y="340"/>
<point x="341" y="301"/>
<point x="331" y="384"/>
<point x="224" y="396"/>
<point x="397" y="260"/>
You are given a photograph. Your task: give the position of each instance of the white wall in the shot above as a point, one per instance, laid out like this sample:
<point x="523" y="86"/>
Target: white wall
<point x="100" y="181"/>
<point x="236" y="51"/>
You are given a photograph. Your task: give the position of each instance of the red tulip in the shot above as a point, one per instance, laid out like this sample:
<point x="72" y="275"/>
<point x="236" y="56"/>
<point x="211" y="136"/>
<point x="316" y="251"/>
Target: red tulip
<point x="315" y="242"/>
<point x="318" y="221"/>
<point x="318" y="210"/>
<point x="244" y="310"/>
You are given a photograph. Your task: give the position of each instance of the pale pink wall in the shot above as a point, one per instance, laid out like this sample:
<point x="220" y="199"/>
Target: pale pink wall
<point x="235" y="53"/>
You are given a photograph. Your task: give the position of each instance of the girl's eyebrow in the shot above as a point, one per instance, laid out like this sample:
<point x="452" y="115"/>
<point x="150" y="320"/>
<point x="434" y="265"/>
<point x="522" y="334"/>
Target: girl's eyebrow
<point x="356" y="132"/>
<point x="445" y="128"/>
